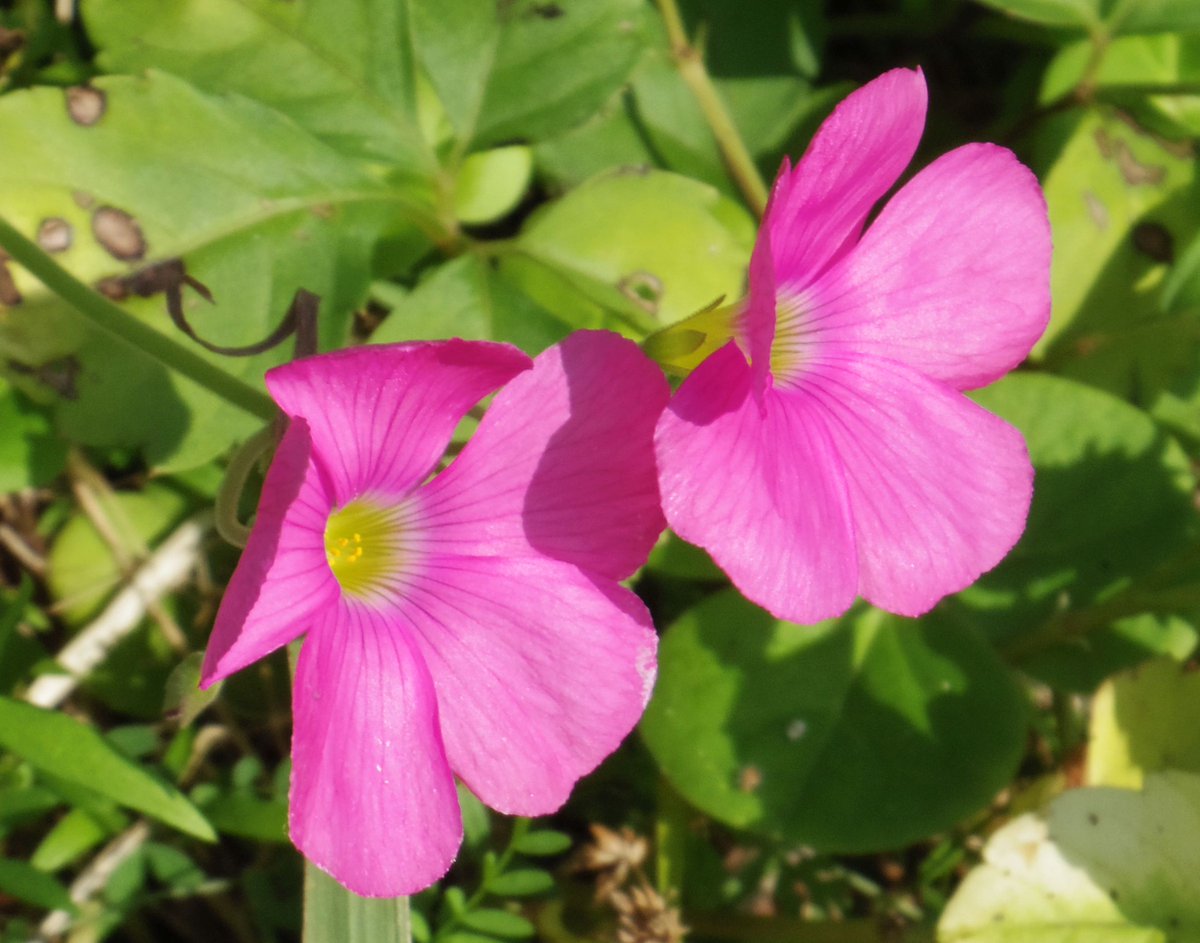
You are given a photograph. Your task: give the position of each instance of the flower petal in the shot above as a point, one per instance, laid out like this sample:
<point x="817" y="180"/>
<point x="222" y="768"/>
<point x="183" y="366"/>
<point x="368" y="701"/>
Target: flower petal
<point x="282" y="578"/>
<point x="939" y="487"/>
<point x="819" y="208"/>
<point x="562" y="464"/>
<point x="759" y="486"/>
<point x="953" y="278"/>
<point x="540" y="672"/>
<point x="382" y="416"/>
<point x="372" y="800"/>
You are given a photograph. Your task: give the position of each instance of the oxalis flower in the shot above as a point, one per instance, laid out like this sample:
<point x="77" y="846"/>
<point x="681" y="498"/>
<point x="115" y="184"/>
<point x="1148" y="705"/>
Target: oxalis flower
<point x="467" y="624"/>
<point x="829" y="451"/>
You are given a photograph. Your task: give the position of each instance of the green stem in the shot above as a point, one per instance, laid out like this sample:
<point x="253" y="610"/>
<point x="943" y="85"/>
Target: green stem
<point x="333" y="914"/>
<point x="691" y="67"/>
<point x="117" y="322"/>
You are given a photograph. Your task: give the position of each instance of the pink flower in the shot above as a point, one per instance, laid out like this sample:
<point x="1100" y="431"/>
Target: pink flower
<point x="832" y="453"/>
<point x="467" y="624"/>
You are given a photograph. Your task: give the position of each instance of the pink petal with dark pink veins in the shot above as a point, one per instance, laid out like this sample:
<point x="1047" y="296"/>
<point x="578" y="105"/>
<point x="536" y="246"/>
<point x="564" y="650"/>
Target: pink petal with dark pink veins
<point x="540" y="670"/>
<point x="382" y="416"/>
<point x="373" y="801"/>
<point x="758" y="483"/>
<point x="282" y="579"/>
<point x="562" y="464"/>
<point x="953" y="278"/>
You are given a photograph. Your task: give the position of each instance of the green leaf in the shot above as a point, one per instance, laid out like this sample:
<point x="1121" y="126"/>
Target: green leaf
<point x="1119" y="201"/>
<point x="183" y="700"/>
<point x="491" y="183"/>
<point x="500" y="923"/>
<point x="1083" y="14"/>
<point x="332" y="913"/>
<point x="1112" y="500"/>
<point x="344" y="72"/>
<point x="470" y="298"/>
<point x="82" y="569"/>
<point x="30" y="454"/>
<point x="248" y="816"/>
<point x="648" y="248"/>
<point x="254" y="206"/>
<point x="1102" y="865"/>
<point x="76" y="753"/>
<point x="556" y="64"/>
<point x="794" y="730"/>
<point x="520" y="883"/>
<point x="456" y="41"/>
<point x="27" y="883"/>
<point x="72" y="836"/>
<point x="1143" y="723"/>
<point x="543" y="843"/>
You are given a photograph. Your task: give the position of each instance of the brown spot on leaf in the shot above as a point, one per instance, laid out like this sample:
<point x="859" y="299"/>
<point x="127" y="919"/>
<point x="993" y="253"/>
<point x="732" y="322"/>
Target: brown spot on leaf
<point x="1096" y="210"/>
<point x="86" y="105"/>
<point x="1104" y="144"/>
<point x="119" y="233"/>
<point x="643" y="289"/>
<point x="8" y="288"/>
<point x="547" y="11"/>
<point x="749" y="778"/>
<point x="11" y="40"/>
<point x="58" y="375"/>
<point x="55" y="234"/>
<point x="1093" y="818"/>
<point x="1134" y="171"/>
<point x="83" y="199"/>
<point x="1154" y="240"/>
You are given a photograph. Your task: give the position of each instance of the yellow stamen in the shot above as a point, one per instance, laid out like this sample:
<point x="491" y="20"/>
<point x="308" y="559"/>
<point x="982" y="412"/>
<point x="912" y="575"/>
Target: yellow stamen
<point x="363" y="544"/>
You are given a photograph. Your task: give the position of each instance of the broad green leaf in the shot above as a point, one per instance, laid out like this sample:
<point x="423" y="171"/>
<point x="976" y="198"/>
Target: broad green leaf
<point x="543" y="842"/>
<point x="254" y="205"/>
<point x="556" y="63"/>
<point x="1143" y="722"/>
<point x="1112" y="499"/>
<point x="1154" y="16"/>
<point x="30" y="454"/>
<point x="343" y="71"/>
<point x="456" y="41"/>
<point x="332" y="913"/>
<point x="1084" y="14"/>
<point x="647" y="247"/>
<point x="797" y="731"/>
<point x="1118" y="203"/>
<point x="1128" y="61"/>
<point x="1154" y="78"/>
<point x="468" y="297"/>
<point x="27" y="883"/>
<point x="1102" y="865"/>
<point x="526" y="69"/>
<point x="76" y="753"/>
<point x="491" y="183"/>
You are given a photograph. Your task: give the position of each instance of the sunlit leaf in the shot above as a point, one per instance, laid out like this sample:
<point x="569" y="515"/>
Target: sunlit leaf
<point x="255" y="206"/>
<point x="343" y="71"/>
<point x="1103" y="865"/>
<point x="1143" y="722"/>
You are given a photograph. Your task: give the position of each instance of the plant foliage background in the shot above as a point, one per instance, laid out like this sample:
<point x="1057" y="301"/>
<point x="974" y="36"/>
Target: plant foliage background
<point x="1023" y="763"/>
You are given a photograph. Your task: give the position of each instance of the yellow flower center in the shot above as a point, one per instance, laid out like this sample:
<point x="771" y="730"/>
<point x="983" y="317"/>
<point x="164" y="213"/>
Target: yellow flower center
<point x="363" y="546"/>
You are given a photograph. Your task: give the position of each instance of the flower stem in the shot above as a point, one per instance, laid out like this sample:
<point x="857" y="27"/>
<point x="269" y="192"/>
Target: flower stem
<point x="691" y="67"/>
<point x="114" y="320"/>
<point x="333" y="914"/>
